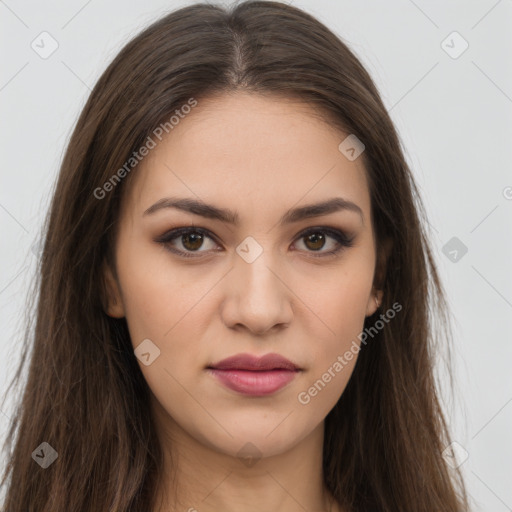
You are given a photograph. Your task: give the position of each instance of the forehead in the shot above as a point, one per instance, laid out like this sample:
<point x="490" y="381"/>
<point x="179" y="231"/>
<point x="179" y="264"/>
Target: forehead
<point x="251" y="153"/>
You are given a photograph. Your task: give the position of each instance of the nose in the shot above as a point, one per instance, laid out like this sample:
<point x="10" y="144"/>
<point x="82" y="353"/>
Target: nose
<point x="258" y="297"/>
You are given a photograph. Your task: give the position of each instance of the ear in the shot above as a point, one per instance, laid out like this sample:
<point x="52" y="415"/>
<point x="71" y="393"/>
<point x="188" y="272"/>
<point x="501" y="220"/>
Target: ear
<point x="379" y="278"/>
<point x="111" y="297"/>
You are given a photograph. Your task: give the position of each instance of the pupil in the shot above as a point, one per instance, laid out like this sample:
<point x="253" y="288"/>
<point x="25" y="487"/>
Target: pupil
<point x="195" y="240"/>
<point x="316" y="239"/>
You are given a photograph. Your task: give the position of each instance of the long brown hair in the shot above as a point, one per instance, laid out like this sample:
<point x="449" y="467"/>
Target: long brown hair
<point x="85" y="394"/>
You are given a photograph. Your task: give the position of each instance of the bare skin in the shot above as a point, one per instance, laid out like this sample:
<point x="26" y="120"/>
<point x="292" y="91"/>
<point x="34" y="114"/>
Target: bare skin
<point x="259" y="157"/>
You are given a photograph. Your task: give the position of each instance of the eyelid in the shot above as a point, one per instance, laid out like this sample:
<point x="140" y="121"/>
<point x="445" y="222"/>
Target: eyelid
<point x="343" y="238"/>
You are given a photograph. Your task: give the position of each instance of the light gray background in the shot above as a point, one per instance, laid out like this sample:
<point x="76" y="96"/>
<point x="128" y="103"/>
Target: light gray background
<point x="455" y="120"/>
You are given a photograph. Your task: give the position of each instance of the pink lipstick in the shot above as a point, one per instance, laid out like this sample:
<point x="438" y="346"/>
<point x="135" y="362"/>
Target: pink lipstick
<point x="255" y="376"/>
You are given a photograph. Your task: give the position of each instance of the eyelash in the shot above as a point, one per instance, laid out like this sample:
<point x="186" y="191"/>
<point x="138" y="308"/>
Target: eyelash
<point x="343" y="240"/>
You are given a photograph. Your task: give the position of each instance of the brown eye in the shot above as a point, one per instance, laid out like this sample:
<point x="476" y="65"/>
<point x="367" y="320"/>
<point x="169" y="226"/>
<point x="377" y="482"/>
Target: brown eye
<point x="192" y="241"/>
<point x="315" y="241"/>
<point x="187" y="241"/>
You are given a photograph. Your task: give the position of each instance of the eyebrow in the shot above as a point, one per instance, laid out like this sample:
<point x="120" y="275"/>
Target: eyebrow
<point x="209" y="211"/>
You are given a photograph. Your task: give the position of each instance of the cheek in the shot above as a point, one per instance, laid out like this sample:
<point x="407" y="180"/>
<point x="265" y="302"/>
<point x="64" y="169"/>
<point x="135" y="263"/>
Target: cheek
<point x="335" y="353"/>
<point x="340" y="306"/>
<point x="156" y="296"/>
<point x="340" y="303"/>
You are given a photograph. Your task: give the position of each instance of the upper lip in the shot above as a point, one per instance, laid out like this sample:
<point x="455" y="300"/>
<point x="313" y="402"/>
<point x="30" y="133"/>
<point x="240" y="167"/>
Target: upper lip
<point x="255" y="363"/>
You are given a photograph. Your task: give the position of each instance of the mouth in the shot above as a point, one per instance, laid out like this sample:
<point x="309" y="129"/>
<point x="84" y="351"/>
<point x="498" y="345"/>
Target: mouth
<point x="254" y="376"/>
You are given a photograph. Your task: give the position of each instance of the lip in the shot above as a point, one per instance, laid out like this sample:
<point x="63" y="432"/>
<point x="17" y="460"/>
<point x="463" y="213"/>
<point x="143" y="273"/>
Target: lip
<point x="254" y="363"/>
<point x="254" y="376"/>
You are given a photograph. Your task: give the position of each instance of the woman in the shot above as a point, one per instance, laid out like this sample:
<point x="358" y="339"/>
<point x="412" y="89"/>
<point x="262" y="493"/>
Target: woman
<point x="235" y="287"/>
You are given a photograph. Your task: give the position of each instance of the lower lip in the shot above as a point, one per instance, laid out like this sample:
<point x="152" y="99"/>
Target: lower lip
<point x="254" y="383"/>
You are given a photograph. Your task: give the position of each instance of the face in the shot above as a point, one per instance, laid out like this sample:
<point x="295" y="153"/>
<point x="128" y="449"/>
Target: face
<point x="251" y="274"/>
